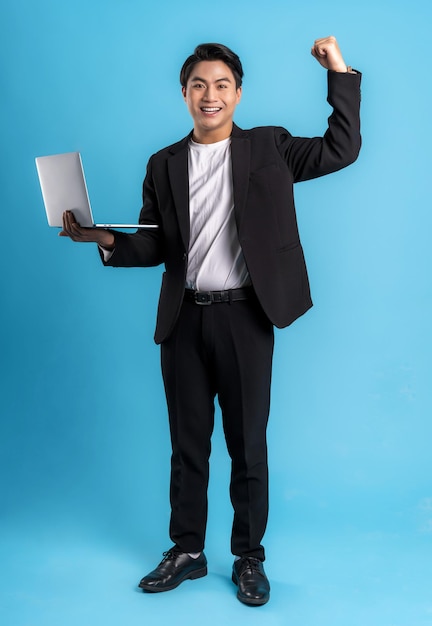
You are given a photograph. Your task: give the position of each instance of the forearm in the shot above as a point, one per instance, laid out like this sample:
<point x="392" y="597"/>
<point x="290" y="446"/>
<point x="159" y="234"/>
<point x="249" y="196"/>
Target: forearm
<point x="141" y="249"/>
<point x="342" y="140"/>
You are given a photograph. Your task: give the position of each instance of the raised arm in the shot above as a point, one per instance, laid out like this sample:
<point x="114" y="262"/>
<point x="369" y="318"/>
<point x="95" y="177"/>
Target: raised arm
<point x="312" y="157"/>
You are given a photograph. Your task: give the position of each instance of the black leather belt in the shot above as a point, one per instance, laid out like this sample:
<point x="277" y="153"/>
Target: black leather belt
<point x="212" y="297"/>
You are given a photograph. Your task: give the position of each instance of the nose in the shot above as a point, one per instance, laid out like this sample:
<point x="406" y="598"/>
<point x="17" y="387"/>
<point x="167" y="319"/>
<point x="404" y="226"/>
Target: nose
<point x="210" y="94"/>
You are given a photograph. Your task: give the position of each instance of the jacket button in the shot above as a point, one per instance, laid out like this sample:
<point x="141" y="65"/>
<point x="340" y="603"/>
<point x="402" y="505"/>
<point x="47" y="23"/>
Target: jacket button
<point x="184" y="257"/>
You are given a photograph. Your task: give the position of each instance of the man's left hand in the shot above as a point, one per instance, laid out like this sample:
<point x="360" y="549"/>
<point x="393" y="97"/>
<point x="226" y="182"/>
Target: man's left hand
<point x="327" y="52"/>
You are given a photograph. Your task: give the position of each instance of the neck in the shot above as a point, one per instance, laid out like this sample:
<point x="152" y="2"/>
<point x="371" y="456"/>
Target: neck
<point x="211" y="136"/>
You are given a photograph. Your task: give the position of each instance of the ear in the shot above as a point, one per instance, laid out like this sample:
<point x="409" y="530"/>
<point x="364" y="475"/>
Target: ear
<point x="238" y="94"/>
<point x="184" y="92"/>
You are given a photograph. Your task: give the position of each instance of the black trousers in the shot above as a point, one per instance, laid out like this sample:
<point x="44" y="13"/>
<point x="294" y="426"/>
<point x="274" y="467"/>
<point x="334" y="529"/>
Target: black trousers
<point x="222" y="349"/>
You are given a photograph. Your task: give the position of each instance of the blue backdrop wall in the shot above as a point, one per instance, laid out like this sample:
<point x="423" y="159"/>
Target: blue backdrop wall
<point x="83" y="419"/>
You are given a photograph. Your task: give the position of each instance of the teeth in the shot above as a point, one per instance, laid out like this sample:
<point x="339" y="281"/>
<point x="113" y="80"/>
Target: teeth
<point x="210" y="109"/>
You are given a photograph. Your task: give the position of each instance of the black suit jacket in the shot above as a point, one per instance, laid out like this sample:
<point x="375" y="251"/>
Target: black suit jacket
<point x="266" y="162"/>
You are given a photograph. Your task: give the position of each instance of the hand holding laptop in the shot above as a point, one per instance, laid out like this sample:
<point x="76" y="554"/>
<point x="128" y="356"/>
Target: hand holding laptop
<point x="66" y="200"/>
<point x="72" y="229"/>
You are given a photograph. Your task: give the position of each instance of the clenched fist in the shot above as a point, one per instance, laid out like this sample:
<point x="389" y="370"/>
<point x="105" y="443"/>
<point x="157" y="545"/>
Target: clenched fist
<point x="327" y="52"/>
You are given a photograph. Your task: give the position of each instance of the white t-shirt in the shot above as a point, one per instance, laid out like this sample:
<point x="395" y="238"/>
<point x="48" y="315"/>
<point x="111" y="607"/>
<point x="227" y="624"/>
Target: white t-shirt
<point x="216" y="260"/>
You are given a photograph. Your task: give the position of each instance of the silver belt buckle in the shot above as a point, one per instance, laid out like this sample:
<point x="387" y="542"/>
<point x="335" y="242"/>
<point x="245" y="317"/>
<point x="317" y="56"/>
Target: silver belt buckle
<point x="203" y="298"/>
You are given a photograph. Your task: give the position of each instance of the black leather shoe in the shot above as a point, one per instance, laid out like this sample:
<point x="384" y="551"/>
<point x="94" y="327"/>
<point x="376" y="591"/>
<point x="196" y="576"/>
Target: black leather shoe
<point x="253" y="585"/>
<point x="174" y="568"/>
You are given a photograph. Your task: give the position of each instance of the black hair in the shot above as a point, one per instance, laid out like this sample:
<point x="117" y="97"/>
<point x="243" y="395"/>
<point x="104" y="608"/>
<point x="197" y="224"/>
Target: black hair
<point x="212" y="52"/>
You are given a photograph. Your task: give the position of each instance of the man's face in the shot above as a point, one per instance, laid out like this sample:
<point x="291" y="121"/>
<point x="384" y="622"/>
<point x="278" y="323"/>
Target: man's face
<point x="211" y="96"/>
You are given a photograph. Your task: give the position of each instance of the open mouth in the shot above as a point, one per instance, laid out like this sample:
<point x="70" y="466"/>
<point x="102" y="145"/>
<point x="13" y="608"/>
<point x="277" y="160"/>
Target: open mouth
<point x="211" y="110"/>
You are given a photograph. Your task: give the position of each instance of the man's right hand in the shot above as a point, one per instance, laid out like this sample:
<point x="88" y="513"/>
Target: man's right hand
<point x="74" y="231"/>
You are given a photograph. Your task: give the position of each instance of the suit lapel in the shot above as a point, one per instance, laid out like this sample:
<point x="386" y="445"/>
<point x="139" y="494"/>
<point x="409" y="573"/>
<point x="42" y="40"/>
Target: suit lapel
<point x="179" y="181"/>
<point x="240" y="156"/>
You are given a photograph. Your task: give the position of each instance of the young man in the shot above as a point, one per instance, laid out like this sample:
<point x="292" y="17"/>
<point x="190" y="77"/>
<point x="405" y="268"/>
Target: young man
<point x="223" y="200"/>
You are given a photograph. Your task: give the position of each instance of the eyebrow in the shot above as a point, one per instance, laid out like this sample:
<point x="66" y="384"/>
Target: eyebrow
<point x="202" y="80"/>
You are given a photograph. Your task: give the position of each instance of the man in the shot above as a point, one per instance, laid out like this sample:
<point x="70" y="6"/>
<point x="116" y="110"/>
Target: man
<point x="228" y="237"/>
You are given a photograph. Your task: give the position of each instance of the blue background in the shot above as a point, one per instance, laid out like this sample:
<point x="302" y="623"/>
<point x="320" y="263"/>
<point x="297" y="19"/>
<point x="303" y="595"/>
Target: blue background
<point x="84" y="439"/>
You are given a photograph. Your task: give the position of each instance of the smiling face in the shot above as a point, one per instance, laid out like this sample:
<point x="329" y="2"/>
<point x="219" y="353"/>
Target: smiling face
<point x="211" y="97"/>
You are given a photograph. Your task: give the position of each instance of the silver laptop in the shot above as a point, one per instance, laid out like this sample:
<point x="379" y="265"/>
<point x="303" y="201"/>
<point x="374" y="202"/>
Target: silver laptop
<point x="64" y="188"/>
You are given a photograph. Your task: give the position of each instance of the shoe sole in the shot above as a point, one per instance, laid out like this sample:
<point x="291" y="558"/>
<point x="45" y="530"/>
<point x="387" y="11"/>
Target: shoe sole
<point x="249" y="601"/>
<point x="199" y="573"/>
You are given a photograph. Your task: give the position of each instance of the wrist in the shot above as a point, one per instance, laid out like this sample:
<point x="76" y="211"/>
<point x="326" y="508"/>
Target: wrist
<point x="107" y="240"/>
<point x="341" y="69"/>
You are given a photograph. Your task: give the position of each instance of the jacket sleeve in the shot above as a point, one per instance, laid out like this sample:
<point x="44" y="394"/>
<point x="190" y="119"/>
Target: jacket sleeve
<point x="143" y="248"/>
<point x="313" y="157"/>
